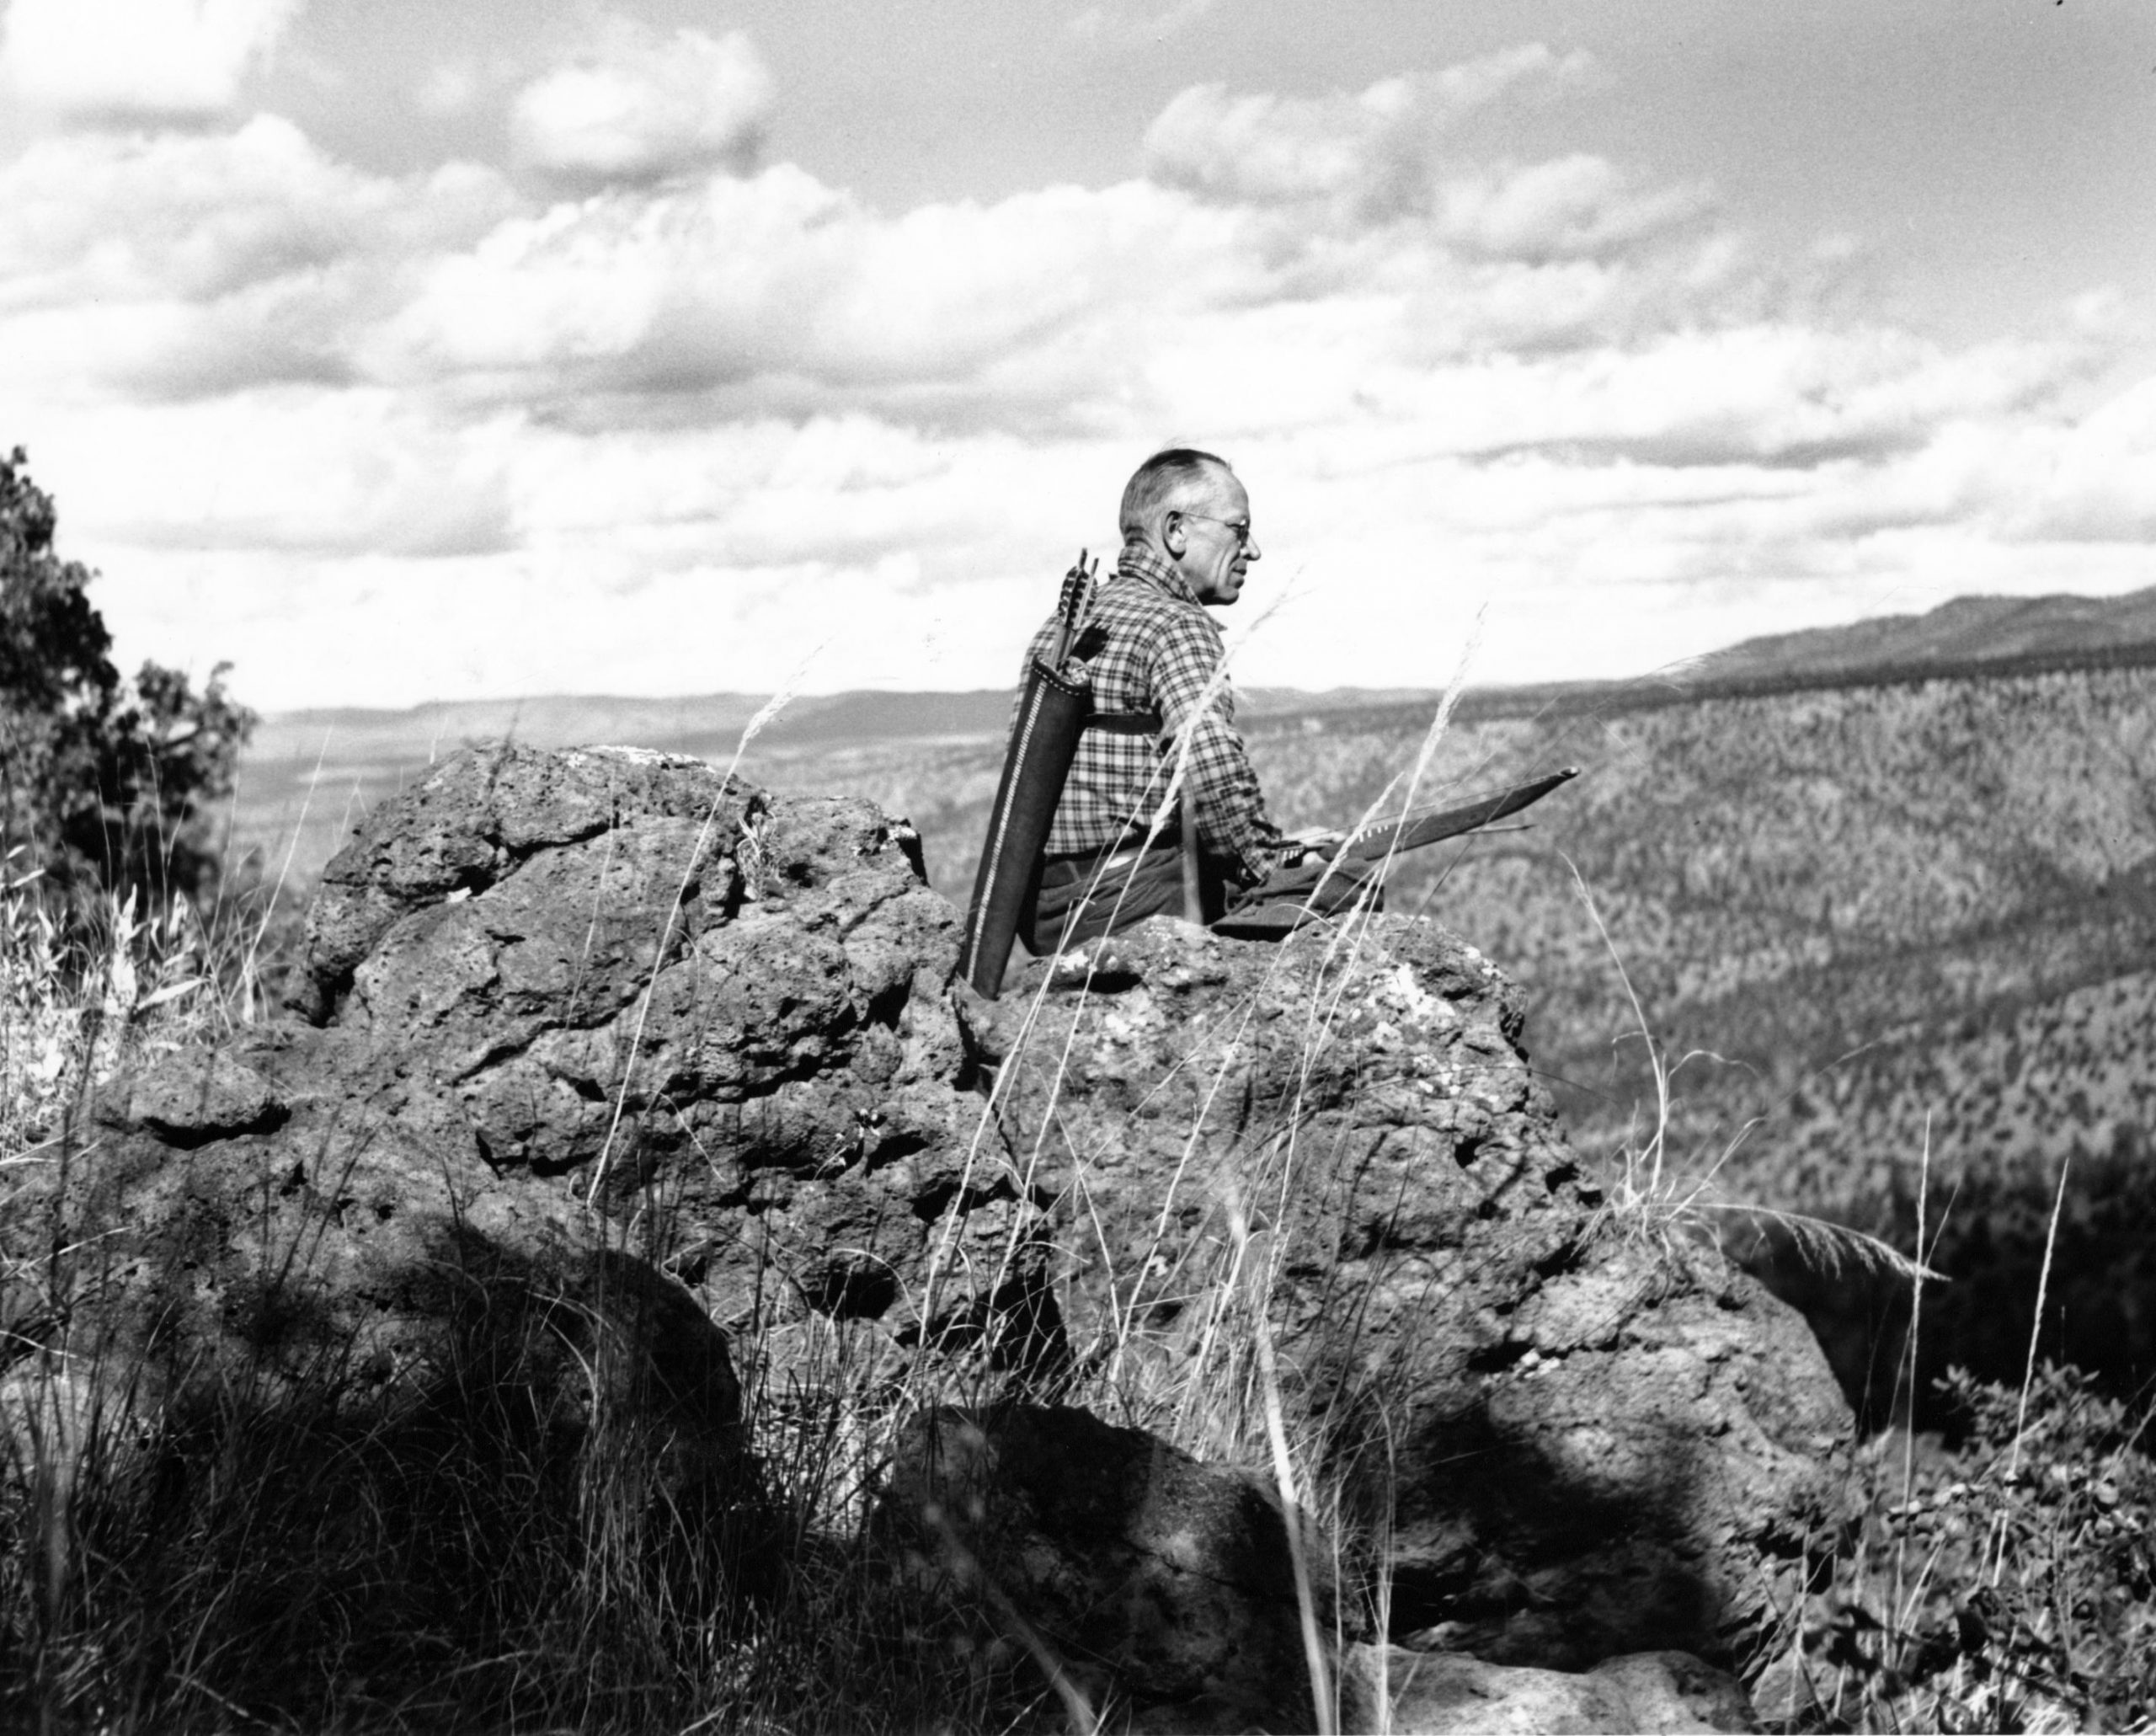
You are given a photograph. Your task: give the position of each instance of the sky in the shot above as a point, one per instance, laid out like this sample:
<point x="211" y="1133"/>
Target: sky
<point x="397" y="350"/>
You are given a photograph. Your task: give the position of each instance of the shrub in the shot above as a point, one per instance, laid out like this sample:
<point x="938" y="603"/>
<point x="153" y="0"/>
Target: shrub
<point x="103" y="781"/>
<point x="2002" y="1582"/>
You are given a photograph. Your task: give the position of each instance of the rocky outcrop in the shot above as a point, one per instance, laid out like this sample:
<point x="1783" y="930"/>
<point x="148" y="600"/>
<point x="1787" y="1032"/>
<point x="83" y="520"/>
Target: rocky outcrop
<point x="1573" y="1434"/>
<point x="1157" y="1591"/>
<point x="608" y="1057"/>
<point x="723" y="1010"/>
<point x="613" y="1069"/>
<point x="1445" y="1694"/>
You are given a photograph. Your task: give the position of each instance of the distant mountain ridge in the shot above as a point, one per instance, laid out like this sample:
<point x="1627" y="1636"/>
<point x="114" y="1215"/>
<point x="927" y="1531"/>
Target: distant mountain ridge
<point x="1958" y="635"/>
<point x="1966" y="630"/>
<point x="860" y="714"/>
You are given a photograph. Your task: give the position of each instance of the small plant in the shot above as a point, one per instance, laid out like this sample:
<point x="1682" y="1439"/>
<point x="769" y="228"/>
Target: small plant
<point x="2005" y="1582"/>
<point x="79" y="996"/>
<point x="1652" y="1195"/>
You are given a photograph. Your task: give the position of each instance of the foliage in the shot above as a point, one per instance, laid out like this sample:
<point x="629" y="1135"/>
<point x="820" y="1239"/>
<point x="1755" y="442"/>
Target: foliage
<point x="103" y="781"/>
<point x="2002" y="1584"/>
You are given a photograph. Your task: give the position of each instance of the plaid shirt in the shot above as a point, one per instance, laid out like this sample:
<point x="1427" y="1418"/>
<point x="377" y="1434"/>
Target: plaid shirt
<point x="1151" y="646"/>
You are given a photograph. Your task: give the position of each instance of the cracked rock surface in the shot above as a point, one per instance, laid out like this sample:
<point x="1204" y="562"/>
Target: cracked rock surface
<point x="721" y="1011"/>
<point x="1579" y="1435"/>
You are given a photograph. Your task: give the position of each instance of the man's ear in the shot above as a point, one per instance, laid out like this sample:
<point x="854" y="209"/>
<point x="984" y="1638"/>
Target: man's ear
<point x="1174" y="537"/>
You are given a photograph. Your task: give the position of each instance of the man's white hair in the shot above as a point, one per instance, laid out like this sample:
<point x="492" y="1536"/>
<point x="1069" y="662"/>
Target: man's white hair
<point x="1163" y="480"/>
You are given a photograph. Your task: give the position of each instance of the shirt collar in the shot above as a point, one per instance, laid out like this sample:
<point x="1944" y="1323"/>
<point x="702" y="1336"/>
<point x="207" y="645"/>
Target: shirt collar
<point x="1137" y="561"/>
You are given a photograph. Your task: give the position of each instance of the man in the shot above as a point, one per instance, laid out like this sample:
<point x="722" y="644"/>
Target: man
<point x="1155" y="655"/>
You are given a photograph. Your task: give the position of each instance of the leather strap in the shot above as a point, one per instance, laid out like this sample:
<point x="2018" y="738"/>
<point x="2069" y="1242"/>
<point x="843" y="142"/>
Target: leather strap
<point x="1125" y="723"/>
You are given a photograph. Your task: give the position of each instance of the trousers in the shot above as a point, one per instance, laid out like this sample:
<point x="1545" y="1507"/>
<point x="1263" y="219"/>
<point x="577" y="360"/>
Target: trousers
<point x="1081" y="898"/>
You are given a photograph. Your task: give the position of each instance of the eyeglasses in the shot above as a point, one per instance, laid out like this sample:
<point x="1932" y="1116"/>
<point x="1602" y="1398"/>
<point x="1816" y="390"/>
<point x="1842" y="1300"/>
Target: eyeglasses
<point x="1240" y="526"/>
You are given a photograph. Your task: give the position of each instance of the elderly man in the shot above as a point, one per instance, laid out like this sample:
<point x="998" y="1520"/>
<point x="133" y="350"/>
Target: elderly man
<point x="1155" y="655"/>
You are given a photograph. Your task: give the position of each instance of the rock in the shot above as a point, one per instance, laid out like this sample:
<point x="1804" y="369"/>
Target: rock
<point x="191" y="1097"/>
<point x="339" y="1256"/>
<point x="54" y="1419"/>
<point x="1157" y="1584"/>
<point x="619" y="966"/>
<point x="1581" y="1435"/>
<point x="1445" y="1694"/>
<point x="1783" y="1692"/>
<point x="608" y="1054"/>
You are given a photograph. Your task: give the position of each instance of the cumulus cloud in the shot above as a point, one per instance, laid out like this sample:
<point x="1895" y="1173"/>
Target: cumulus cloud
<point x="354" y="473"/>
<point x="185" y="263"/>
<point x="1575" y="206"/>
<point x="193" y="263"/>
<point x="777" y="294"/>
<point x="1376" y="153"/>
<point x="2099" y="481"/>
<point x="640" y="107"/>
<point x="91" y="60"/>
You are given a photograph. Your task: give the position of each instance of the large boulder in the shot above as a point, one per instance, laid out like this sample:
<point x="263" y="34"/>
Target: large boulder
<point x="720" y="1012"/>
<point x="284" y="1242"/>
<point x="1574" y="1432"/>
<point x="607" y="1055"/>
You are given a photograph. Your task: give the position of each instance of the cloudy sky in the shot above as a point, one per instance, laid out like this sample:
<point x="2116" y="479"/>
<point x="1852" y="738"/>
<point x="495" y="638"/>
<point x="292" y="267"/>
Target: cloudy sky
<point x="400" y="349"/>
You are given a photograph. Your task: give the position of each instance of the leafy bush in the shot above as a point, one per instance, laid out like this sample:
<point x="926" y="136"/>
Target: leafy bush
<point x="103" y="781"/>
<point x="2003" y="1583"/>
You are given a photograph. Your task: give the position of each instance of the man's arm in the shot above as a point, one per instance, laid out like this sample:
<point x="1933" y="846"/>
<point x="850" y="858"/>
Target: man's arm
<point x="1231" y="818"/>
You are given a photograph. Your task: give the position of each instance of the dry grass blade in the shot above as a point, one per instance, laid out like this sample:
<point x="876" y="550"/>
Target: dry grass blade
<point x="2029" y="1374"/>
<point x="1291" y="1505"/>
<point x="1831" y="1246"/>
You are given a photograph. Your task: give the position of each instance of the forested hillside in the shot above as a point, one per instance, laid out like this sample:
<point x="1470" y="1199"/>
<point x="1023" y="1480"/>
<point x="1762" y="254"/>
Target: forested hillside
<point x="1864" y="924"/>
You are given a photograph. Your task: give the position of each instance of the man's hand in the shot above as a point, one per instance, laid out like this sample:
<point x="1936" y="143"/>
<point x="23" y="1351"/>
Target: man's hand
<point x="1313" y="843"/>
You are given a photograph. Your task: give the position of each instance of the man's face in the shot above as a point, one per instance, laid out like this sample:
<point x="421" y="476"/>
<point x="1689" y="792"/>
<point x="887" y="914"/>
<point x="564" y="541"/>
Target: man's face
<point x="1209" y="536"/>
